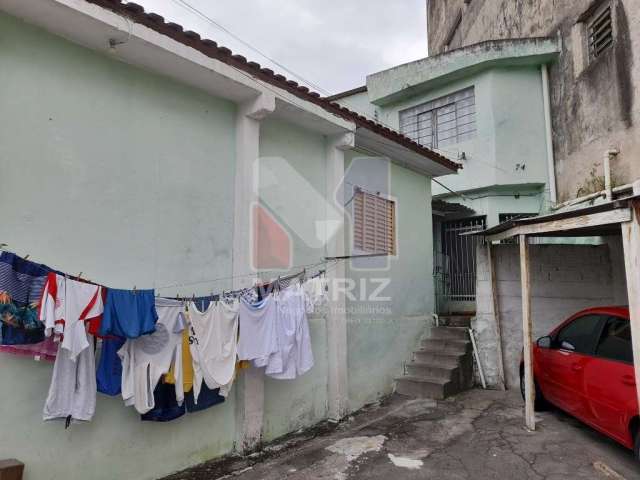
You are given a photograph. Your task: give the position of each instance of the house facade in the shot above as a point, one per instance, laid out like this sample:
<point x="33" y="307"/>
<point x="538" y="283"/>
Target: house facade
<point x="593" y="85"/>
<point x="486" y="106"/>
<point x="144" y="156"/>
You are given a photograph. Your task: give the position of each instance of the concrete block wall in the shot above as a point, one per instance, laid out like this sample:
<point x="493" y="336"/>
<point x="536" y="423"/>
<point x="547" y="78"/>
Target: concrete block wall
<point x="564" y="279"/>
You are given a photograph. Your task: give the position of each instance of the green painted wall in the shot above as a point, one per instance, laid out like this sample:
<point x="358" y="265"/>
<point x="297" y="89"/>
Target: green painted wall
<point x="297" y="201"/>
<point x="382" y="334"/>
<point x="509" y="147"/>
<point x="123" y="175"/>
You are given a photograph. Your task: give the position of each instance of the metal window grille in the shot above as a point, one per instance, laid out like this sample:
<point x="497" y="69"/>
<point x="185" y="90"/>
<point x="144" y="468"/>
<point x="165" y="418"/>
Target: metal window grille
<point x="459" y="253"/>
<point x="443" y="121"/>
<point x="600" y="32"/>
<point x="374" y="229"/>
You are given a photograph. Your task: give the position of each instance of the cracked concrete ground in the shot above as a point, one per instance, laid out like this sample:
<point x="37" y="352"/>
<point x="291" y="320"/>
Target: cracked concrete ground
<point x="476" y="435"/>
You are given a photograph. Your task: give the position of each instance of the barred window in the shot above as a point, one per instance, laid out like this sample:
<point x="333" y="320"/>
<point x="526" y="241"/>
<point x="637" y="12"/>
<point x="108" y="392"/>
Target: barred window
<point x="600" y="32"/>
<point x="443" y="121"/>
<point x="374" y="226"/>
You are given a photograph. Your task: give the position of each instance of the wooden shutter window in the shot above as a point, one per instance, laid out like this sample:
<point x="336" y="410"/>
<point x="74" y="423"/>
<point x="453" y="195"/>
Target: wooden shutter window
<point x="374" y="224"/>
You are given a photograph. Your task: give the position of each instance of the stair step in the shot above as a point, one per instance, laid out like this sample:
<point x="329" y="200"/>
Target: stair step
<point x="428" y="370"/>
<point x="438" y="358"/>
<point x="455" y="320"/>
<point x="442" y="344"/>
<point x="435" y="388"/>
<point x="449" y="333"/>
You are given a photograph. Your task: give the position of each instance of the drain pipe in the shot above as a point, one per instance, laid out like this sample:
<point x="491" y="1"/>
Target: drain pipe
<point x="553" y="195"/>
<point x="608" y="155"/>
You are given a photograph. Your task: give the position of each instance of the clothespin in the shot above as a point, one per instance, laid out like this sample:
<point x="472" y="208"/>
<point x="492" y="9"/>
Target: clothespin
<point x="134" y="289"/>
<point x="3" y="245"/>
<point x="26" y="257"/>
<point x="80" y="277"/>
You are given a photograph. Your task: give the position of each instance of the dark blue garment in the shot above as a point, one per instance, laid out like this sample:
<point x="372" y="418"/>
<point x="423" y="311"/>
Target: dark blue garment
<point x="166" y="406"/>
<point x="23" y="281"/>
<point x="109" y="372"/>
<point x="207" y="398"/>
<point x="129" y="313"/>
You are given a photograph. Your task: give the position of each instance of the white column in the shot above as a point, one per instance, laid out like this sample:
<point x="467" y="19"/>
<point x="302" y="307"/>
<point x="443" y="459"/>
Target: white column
<point x="336" y="317"/>
<point x="631" y="244"/>
<point x="250" y="383"/>
<point x="525" y="279"/>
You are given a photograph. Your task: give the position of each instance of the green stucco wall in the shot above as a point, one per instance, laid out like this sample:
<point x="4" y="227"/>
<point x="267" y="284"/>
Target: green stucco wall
<point x="297" y="202"/>
<point x="382" y="334"/>
<point x="123" y="175"/>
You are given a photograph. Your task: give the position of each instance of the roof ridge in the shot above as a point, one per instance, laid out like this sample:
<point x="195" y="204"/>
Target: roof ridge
<point x="211" y="49"/>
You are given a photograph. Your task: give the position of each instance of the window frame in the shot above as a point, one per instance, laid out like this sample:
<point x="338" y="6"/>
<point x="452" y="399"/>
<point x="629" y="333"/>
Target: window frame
<point x="429" y="109"/>
<point x="393" y="224"/>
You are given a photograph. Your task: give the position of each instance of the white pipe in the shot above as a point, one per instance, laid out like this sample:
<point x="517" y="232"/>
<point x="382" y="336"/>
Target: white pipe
<point x="553" y="193"/>
<point x="475" y="354"/>
<point x="607" y="172"/>
<point x="591" y="196"/>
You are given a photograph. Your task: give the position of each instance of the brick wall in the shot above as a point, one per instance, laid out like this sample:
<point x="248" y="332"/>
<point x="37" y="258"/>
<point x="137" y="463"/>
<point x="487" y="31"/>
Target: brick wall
<point x="564" y="279"/>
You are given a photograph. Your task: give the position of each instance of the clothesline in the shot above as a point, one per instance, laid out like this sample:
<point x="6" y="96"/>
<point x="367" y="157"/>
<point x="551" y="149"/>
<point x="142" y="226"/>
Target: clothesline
<point x="265" y="285"/>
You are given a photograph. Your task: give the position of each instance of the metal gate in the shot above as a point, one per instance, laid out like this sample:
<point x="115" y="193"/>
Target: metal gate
<point x="458" y="259"/>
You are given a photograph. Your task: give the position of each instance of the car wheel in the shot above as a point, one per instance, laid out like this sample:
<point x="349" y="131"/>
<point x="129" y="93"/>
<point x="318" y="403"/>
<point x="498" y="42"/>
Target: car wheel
<point x="636" y="444"/>
<point x="539" y="403"/>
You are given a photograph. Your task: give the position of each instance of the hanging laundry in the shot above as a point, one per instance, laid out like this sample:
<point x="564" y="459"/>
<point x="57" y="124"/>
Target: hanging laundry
<point x="294" y="355"/>
<point x="45" y="350"/>
<point x="166" y="405"/>
<point x="257" y="339"/>
<point x="214" y="344"/>
<point x="316" y="293"/>
<point x="187" y="364"/>
<point x="21" y="285"/>
<point x="129" y="313"/>
<point x="206" y="399"/>
<point x="147" y="358"/>
<point x="66" y="305"/>
<point x="109" y="373"/>
<point x="72" y="393"/>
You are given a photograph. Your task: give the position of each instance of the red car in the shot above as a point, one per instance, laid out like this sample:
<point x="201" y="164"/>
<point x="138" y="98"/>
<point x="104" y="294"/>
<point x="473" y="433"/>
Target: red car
<point x="585" y="367"/>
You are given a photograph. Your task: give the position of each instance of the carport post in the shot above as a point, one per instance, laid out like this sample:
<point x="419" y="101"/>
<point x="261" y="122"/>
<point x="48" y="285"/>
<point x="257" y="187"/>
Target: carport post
<point x="525" y="280"/>
<point x="631" y="244"/>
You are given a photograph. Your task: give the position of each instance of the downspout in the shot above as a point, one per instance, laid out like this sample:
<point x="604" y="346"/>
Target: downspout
<point x="553" y="195"/>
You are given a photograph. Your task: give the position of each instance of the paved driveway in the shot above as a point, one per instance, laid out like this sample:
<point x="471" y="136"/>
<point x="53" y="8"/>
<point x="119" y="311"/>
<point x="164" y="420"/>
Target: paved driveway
<point x="476" y="435"/>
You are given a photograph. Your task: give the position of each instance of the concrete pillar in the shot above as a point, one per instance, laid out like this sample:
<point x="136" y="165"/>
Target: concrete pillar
<point x="336" y="317"/>
<point x="250" y="384"/>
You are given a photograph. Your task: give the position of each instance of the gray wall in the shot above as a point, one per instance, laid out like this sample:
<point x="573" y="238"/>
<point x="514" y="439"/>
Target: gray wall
<point x="593" y="106"/>
<point x="564" y="279"/>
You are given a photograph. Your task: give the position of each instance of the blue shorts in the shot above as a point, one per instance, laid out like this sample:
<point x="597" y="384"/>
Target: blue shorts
<point x="128" y="313"/>
<point x="166" y="407"/>
<point x="207" y="398"/>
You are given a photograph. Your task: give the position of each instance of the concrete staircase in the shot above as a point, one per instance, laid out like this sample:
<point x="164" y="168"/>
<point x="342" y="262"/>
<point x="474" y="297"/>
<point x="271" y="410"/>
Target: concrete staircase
<point x="442" y="366"/>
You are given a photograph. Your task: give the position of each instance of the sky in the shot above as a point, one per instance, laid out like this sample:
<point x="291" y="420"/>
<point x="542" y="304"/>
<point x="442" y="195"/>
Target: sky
<point x="332" y="44"/>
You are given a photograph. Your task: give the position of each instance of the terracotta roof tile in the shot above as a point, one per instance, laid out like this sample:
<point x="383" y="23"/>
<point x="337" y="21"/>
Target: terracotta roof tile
<point x="210" y="48"/>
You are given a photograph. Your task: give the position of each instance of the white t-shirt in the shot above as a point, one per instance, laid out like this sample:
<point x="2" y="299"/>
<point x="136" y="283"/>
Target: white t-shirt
<point x="316" y="293"/>
<point x="73" y="385"/>
<point x="214" y="345"/>
<point x="257" y="340"/>
<point x="145" y="359"/>
<point x="294" y="356"/>
<point x="65" y="306"/>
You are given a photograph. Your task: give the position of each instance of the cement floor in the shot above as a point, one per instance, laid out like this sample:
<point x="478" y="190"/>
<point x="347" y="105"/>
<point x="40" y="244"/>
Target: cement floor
<point x="476" y="435"/>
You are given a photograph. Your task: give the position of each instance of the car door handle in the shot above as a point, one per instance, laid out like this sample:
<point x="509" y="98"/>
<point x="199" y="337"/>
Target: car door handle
<point x="576" y="368"/>
<point x="628" y="380"/>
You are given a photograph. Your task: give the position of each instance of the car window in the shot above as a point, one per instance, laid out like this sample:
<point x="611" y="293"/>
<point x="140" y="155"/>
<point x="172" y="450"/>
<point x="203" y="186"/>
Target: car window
<point x="580" y="335"/>
<point x="615" y="341"/>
